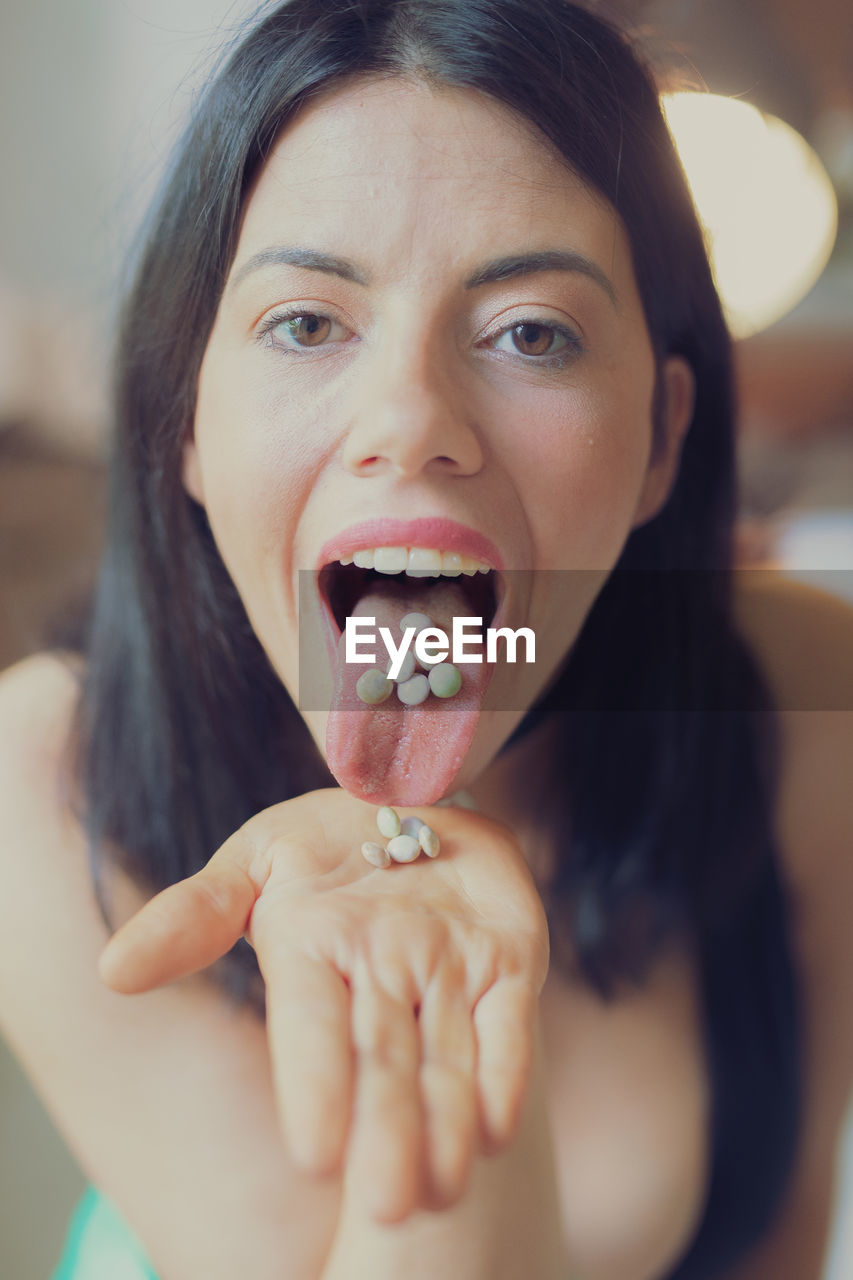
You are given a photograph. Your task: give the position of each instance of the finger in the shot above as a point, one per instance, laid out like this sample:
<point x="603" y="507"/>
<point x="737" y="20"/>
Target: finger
<point x="186" y="927"/>
<point x="308" y="1028"/>
<point x="504" y="1021"/>
<point x="386" y="1160"/>
<point x="448" y="1087"/>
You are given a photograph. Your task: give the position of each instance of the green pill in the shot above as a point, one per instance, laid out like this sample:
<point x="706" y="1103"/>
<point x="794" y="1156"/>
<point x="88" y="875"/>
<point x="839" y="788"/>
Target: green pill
<point x="373" y="686"/>
<point x="445" y="680"/>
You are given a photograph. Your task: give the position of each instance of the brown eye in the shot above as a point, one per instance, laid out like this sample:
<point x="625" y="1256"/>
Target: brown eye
<point x="540" y="345"/>
<point x="308" y="331"/>
<point x="532" y="339"/>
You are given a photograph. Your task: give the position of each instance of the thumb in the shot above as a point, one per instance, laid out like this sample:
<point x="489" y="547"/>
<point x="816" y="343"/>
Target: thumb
<point x="186" y="927"/>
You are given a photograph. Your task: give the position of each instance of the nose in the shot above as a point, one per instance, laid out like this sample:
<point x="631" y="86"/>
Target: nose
<point x="410" y="416"/>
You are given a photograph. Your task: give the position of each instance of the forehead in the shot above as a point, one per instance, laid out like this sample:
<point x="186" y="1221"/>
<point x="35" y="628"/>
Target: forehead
<point x="404" y="169"/>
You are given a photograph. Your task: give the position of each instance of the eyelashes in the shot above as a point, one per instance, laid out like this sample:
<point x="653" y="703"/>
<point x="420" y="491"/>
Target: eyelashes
<point x="309" y="328"/>
<point x="532" y="332"/>
<point x="298" y="332"/>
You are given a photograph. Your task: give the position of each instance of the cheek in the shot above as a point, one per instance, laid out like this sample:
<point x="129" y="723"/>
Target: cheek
<point x="581" y="475"/>
<point x="259" y="454"/>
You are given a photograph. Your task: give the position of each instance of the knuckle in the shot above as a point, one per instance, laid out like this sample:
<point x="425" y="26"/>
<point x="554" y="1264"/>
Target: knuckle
<point x="211" y="895"/>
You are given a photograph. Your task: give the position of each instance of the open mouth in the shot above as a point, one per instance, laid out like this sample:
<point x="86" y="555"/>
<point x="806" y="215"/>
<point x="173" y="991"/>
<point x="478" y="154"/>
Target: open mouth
<point x="342" y="586"/>
<point x="408" y="745"/>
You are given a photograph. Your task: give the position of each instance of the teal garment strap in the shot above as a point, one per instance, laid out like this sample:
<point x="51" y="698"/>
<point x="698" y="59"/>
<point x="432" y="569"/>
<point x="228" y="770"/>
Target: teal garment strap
<point x="100" y="1245"/>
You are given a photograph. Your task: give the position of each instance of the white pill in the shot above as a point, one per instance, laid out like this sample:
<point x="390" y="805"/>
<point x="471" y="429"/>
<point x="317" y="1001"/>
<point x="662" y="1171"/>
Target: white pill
<point x="403" y="848"/>
<point x="413" y="691"/>
<point x="375" y="854"/>
<point x="445" y="680"/>
<point x="416" y="620"/>
<point x="437" y="647"/>
<point x="411" y="826"/>
<point x="428" y="840"/>
<point x="388" y="821"/>
<point x="407" y="668"/>
<point x="373" y="686"/>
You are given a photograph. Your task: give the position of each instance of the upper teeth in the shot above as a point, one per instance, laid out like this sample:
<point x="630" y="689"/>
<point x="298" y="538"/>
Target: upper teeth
<point x="416" y="562"/>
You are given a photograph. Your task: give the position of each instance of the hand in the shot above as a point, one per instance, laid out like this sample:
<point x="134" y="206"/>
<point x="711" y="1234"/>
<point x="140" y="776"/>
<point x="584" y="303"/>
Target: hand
<point x="401" y="1003"/>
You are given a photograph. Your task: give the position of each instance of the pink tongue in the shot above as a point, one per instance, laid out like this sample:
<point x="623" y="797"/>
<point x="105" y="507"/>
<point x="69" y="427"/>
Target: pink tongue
<point x="390" y="753"/>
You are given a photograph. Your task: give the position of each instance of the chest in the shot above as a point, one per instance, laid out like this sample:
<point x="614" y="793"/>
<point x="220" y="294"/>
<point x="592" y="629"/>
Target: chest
<point x="629" y="1099"/>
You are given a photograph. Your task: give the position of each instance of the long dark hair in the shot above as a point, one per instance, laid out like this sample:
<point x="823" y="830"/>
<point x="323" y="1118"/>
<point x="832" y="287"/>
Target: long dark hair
<point x="184" y="730"/>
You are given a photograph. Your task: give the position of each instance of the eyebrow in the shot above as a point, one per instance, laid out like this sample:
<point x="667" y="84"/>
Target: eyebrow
<point x="528" y="264"/>
<point x="286" y="256"/>
<point x="507" y="268"/>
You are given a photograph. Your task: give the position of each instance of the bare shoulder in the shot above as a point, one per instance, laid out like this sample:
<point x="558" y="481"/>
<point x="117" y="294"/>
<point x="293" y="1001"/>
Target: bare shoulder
<point x="802" y="638"/>
<point x="165" y="1099"/>
<point x="38" y="698"/>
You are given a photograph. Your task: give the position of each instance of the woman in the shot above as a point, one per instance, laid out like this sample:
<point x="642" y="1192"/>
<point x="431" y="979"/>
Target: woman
<point x="427" y="275"/>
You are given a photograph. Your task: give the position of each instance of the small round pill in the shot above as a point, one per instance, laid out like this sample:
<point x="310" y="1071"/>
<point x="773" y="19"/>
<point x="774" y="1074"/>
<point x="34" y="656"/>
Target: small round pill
<point x="411" y="826"/>
<point x="438" y="643"/>
<point x="388" y="821"/>
<point x="445" y="680"/>
<point x="407" y="668"/>
<point x="416" y="620"/>
<point x="373" y="686"/>
<point x="403" y="848"/>
<point x="428" y="840"/>
<point x="413" y="691"/>
<point x="375" y="854"/>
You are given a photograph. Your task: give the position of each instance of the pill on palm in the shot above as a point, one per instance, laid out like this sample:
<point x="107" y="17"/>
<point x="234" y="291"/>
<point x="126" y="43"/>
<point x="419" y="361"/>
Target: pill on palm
<point x="388" y="821"/>
<point x="428" y="841"/>
<point x="403" y="848"/>
<point x="416" y="620"/>
<point x="375" y="854"/>
<point x="411" y="826"/>
<point x="407" y="668"/>
<point x="373" y="686"/>
<point x="445" y="680"/>
<point x="413" y="691"/>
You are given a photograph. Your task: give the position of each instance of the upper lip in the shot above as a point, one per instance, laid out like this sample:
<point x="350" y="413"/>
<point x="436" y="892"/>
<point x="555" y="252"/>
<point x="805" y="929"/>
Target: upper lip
<point x="429" y="531"/>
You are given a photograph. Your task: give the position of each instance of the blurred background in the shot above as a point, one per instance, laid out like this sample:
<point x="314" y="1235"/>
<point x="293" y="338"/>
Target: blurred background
<point x="92" y="94"/>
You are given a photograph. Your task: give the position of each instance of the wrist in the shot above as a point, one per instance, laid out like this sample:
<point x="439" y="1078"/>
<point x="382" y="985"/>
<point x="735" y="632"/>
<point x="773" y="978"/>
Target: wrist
<point x="507" y="1223"/>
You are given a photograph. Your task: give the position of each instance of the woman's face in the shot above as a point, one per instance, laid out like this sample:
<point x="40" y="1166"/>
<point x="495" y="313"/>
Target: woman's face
<point x="471" y="347"/>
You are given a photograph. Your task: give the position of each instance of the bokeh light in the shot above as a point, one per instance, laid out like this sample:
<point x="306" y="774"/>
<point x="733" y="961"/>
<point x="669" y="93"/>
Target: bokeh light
<point x="764" y="198"/>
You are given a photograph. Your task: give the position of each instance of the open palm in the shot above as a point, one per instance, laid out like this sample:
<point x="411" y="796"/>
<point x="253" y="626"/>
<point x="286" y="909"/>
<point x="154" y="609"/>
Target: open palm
<point x="400" y="1003"/>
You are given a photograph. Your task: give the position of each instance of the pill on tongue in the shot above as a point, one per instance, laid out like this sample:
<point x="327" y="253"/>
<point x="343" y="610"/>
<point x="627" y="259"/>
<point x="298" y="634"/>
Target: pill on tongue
<point x="373" y="687"/>
<point x="413" y="691"/>
<point x="417" y="620"/>
<point x="407" y="668"/>
<point x="445" y="680"/>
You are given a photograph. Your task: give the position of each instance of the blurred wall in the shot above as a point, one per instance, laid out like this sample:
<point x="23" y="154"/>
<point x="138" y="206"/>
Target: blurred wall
<point x="91" y="92"/>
